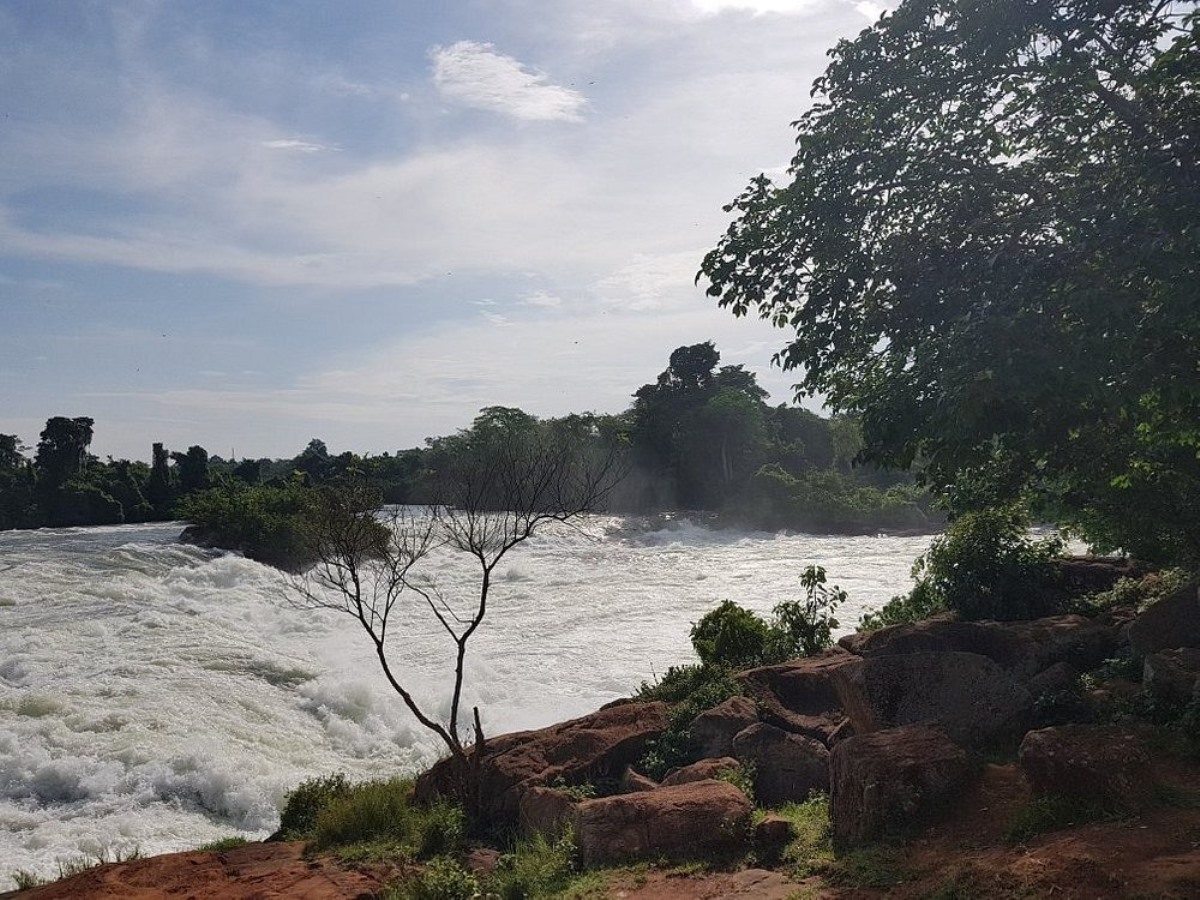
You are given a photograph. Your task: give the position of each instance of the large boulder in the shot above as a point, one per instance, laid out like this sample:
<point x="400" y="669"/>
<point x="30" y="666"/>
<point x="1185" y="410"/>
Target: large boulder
<point x="1023" y="649"/>
<point x="593" y="747"/>
<point x="698" y="820"/>
<point x="544" y="810"/>
<point x="883" y="783"/>
<point x="1090" y="762"/>
<point x="1174" y="621"/>
<point x="786" y="766"/>
<point x="967" y="695"/>
<point x="713" y="730"/>
<point x="1173" y="675"/>
<point x="702" y="770"/>
<point x="800" y="696"/>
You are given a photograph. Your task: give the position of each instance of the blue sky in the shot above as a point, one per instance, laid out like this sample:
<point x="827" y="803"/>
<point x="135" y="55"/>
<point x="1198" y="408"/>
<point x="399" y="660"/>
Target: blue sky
<point x="247" y="224"/>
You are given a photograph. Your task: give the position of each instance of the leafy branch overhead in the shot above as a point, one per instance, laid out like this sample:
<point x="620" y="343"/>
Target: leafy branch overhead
<point x="987" y="248"/>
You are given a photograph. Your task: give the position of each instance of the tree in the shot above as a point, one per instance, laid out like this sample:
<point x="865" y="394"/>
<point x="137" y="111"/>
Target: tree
<point x="988" y="252"/>
<point x="496" y="485"/>
<point x="191" y="469"/>
<point x="160" y="488"/>
<point x="62" y="449"/>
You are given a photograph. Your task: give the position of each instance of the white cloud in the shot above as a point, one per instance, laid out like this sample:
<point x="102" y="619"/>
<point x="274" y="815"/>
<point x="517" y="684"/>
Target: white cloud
<point x="298" y="145"/>
<point x="475" y="75"/>
<point x="542" y="299"/>
<point x="754" y="6"/>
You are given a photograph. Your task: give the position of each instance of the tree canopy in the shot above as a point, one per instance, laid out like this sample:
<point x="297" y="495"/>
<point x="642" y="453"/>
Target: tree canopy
<point x="988" y="252"/>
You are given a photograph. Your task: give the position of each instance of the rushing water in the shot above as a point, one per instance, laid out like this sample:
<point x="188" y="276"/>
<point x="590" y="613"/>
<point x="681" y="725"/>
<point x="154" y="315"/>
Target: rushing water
<point x="159" y="696"/>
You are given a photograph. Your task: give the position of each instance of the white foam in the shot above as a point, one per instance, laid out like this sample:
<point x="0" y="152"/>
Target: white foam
<point x="161" y="696"/>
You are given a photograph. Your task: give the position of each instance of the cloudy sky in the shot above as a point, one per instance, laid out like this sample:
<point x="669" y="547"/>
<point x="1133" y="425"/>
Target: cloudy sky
<point x="247" y="224"/>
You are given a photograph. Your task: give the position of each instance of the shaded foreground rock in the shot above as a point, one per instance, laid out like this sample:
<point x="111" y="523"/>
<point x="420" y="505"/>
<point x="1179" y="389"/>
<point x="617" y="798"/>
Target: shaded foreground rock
<point x="1173" y="621"/>
<point x="595" y="747"/>
<point x="967" y="695"/>
<point x="1094" y="763"/>
<point x="687" y="821"/>
<point x="702" y="770"/>
<point x="884" y="782"/>
<point x="1173" y="675"/>
<point x="786" y="766"/>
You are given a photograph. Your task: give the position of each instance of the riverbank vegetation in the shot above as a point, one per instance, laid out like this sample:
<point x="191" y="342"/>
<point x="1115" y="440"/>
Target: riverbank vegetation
<point x="701" y="438"/>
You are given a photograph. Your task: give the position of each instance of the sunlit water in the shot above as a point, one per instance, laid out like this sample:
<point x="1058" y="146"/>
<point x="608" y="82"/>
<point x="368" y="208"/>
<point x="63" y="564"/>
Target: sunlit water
<point x="158" y="696"/>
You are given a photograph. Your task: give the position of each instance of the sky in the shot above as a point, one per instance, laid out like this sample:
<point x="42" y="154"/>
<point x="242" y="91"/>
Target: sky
<point x="248" y="224"/>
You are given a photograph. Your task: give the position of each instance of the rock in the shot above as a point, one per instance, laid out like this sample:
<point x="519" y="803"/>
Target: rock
<point x="281" y="869"/>
<point x="633" y="781"/>
<point x="1091" y="762"/>
<point x="544" y="810"/>
<point x="1078" y="575"/>
<point x="1059" y="677"/>
<point x="1173" y="621"/>
<point x="772" y="835"/>
<point x="799" y="696"/>
<point x="1173" y="675"/>
<point x="482" y="861"/>
<point x="786" y="766"/>
<point x="967" y="695"/>
<point x="1023" y="649"/>
<point x="599" y="745"/>
<point x="883" y="782"/>
<point x="713" y="729"/>
<point x="699" y="771"/>
<point x="702" y="819"/>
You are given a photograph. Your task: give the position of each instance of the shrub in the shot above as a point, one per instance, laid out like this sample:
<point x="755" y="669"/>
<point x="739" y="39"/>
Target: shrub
<point x="730" y="636"/>
<point x="538" y="867"/>
<point x="443" y="879"/>
<point x="693" y="689"/>
<point x="985" y="567"/>
<point x="305" y="802"/>
<point x="805" y="627"/>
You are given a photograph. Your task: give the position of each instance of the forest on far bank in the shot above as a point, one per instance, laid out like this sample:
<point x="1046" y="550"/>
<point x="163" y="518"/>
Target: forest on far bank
<point x="701" y="438"/>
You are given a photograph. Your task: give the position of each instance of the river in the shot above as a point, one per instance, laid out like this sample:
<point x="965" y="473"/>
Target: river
<point x="158" y="696"/>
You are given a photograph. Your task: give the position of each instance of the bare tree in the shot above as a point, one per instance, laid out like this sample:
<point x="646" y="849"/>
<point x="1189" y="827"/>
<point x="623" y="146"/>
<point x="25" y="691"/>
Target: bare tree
<point x="495" y="485"/>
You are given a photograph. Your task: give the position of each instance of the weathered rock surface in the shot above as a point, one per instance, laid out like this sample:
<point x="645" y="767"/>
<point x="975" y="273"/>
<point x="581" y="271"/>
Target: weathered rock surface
<point x="800" y="696"/>
<point x="1058" y="677"/>
<point x="967" y="695"/>
<point x="772" y="835"/>
<point x="882" y="783"/>
<point x="699" y="771"/>
<point x="1023" y="649"/>
<point x="1173" y="621"/>
<point x="786" y="766"/>
<point x="633" y="781"/>
<point x="544" y="810"/>
<point x="278" y="871"/>
<point x="1092" y="762"/>
<point x="687" y="821"/>
<point x="1173" y="675"/>
<point x="600" y="745"/>
<point x="713" y="729"/>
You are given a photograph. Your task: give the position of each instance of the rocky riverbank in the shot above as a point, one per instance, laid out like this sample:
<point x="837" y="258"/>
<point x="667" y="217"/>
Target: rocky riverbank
<point x="931" y="739"/>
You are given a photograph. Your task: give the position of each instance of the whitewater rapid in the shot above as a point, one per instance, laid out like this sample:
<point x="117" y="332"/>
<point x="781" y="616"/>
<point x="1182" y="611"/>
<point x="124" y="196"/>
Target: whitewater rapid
<point x="158" y="696"/>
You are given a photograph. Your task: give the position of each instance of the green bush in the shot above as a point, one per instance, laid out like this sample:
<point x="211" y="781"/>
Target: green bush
<point x="805" y="627"/>
<point x="538" y="867"/>
<point x="986" y="567"/>
<point x="730" y="636"/>
<point x="305" y="802"/>
<point x="265" y="521"/>
<point x="692" y="689"/>
<point x="443" y="879"/>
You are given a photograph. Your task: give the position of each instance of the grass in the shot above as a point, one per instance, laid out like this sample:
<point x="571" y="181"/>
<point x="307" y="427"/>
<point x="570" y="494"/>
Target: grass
<point x="75" y="866"/>
<point x="225" y="843"/>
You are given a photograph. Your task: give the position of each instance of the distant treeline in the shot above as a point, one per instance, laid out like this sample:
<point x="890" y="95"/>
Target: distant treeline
<point x="701" y="438"/>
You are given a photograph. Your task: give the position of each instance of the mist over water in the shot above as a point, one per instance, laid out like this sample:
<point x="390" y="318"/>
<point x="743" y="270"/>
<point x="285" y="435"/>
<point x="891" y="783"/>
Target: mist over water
<point x="159" y="696"/>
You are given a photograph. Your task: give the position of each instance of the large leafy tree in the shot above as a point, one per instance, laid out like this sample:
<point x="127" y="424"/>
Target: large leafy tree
<point x="988" y="252"/>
